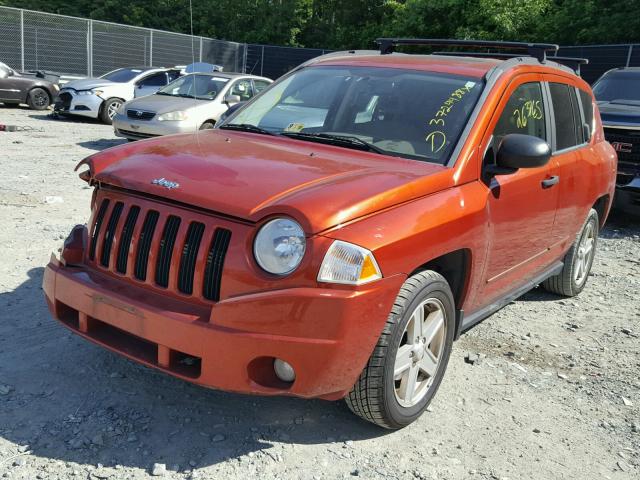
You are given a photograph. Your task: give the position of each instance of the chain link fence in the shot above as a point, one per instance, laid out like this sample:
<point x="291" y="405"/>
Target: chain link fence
<point x="75" y="46"/>
<point x="603" y="58"/>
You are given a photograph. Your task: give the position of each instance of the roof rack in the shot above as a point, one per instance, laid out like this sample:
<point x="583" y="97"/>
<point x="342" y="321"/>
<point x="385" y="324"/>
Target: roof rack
<point x="537" y="50"/>
<point x="571" y="62"/>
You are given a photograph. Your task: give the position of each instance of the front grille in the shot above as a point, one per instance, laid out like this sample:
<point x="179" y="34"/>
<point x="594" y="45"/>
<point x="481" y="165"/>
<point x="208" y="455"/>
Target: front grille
<point x="628" y="143"/>
<point x="140" y="114"/>
<point x="178" y="250"/>
<point x="64" y="100"/>
<point x="131" y="133"/>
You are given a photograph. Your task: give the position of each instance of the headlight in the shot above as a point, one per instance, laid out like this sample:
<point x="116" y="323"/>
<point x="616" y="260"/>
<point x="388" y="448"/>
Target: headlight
<point x="173" y="116"/>
<point x="349" y="264"/>
<point x="56" y="87"/>
<point x="279" y="246"/>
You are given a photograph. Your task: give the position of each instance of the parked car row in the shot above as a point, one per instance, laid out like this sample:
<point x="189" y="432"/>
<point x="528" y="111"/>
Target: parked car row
<point x="176" y="99"/>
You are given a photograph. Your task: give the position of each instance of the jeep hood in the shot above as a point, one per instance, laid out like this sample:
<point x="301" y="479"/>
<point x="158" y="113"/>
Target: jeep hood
<point x="251" y="176"/>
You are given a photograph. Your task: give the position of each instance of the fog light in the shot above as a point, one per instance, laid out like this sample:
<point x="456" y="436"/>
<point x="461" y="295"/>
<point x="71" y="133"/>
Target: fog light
<point x="284" y="371"/>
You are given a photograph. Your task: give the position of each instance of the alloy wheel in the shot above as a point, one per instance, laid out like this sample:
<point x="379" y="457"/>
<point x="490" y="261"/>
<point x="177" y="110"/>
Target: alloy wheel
<point x="584" y="255"/>
<point x="113" y="109"/>
<point x="419" y="353"/>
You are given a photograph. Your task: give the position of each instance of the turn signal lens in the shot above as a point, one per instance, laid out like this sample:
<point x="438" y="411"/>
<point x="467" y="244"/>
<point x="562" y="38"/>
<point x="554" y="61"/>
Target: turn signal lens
<point x="349" y="264"/>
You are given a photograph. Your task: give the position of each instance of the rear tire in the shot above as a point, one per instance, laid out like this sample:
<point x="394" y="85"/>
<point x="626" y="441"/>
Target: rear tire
<point x="109" y="109"/>
<point x="38" y="99"/>
<point x="387" y="393"/>
<point x="578" y="260"/>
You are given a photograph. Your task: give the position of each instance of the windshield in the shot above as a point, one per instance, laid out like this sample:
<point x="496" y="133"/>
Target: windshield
<point x="202" y="87"/>
<point x="406" y="113"/>
<point x="618" y="86"/>
<point x="122" y="75"/>
<point x="4" y="70"/>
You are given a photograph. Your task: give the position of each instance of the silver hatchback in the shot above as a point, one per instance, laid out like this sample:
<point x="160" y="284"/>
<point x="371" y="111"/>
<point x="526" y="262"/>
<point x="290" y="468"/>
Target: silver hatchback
<point x="190" y="103"/>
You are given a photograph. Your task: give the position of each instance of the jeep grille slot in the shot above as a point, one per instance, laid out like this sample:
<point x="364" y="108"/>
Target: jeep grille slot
<point x="109" y="233"/>
<point x="189" y="256"/>
<point x="166" y="250"/>
<point x="144" y="244"/>
<point x="215" y="262"/>
<point x="97" y="225"/>
<point x="178" y="251"/>
<point x="125" y="239"/>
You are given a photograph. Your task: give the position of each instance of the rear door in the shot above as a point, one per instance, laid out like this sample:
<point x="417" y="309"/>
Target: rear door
<point x="520" y="205"/>
<point x="570" y="143"/>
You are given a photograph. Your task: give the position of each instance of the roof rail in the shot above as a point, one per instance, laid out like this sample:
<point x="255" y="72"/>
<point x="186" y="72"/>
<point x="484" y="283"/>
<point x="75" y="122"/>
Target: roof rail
<point x="571" y="62"/>
<point x="537" y="50"/>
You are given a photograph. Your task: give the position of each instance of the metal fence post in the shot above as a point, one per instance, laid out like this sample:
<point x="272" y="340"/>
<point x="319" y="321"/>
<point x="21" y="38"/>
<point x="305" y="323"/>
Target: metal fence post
<point x="629" y="55"/>
<point x="151" y="49"/>
<point x="22" y="39"/>
<point x="262" y="63"/>
<point x="200" y="49"/>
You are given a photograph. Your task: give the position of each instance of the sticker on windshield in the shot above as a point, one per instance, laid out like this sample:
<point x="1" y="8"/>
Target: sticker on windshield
<point x="294" y="127"/>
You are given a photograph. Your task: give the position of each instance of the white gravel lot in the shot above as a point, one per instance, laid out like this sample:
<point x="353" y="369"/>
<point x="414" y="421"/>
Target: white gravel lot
<point x="556" y="395"/>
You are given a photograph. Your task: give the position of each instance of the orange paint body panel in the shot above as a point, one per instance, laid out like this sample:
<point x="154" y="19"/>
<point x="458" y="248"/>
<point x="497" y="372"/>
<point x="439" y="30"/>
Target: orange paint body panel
<point x="209" y="314"/>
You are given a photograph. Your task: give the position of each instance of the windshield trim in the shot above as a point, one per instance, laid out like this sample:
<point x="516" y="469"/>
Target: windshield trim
<point x="457" y="143"/>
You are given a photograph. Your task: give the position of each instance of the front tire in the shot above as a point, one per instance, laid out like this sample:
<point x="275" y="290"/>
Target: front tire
<point x="408" y="363"/>
<point x="578" y="260"/>
<point x="109" y="109"/>
<point x="38" y="99"/>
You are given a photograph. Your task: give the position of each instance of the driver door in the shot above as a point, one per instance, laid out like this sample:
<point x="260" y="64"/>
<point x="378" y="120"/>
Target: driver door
<point x="521" y="205"/>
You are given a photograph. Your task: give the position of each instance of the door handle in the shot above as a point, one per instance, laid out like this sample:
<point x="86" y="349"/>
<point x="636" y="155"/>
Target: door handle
<point x="550" y="182"/>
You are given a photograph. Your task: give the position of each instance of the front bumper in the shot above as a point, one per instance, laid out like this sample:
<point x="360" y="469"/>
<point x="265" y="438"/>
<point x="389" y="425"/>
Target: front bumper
<point x="133" y="129"/>
<point x="627" y="196"/>
<point x="227" y="346"/>
<point x="71" y="103"/>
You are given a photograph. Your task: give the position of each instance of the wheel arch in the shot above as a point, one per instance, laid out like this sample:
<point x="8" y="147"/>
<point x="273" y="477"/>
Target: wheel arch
<point x="455" y="267"/>
<point x="602" y="207"/>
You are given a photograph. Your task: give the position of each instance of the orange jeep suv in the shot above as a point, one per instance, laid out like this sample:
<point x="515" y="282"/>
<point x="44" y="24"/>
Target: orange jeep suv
<point x="337" y="233"/>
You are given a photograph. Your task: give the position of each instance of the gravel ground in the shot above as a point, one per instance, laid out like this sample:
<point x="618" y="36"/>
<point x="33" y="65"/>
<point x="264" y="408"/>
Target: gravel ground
<point x="556" y="393"/>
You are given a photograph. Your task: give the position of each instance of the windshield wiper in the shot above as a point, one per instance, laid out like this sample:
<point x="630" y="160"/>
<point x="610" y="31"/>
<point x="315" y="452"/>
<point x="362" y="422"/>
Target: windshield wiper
<point x="164" y="93"/>
<point x="246" y="127"/>
<point x="347" y="141"/>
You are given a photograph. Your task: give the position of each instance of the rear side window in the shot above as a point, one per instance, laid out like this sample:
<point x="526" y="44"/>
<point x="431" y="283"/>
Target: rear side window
<point x="524" y="113"/>
<point x="566" y="116"/>
<point x="587" y="108"/>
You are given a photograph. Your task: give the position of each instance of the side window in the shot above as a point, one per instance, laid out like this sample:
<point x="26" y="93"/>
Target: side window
<point x="243" y="89"/>
<point x="587" y="108"/>
<point x="564" y="116"/>
<point x="155" y="80"/>
<point x="173" y="75"/>
<point x="523" y="113"/>
<point x="260" y="85"/>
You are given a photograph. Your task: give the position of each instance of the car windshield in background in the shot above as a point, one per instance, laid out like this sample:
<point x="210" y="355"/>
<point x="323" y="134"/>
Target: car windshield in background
<point x="619" y="86"/>
<point x="122" y="75"/>
<point x="201" y="87"/>
<point x="405" y="113"/>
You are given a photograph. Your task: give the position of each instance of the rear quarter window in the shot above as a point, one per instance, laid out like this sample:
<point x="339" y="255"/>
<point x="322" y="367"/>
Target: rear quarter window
<point x="587" y="108"/>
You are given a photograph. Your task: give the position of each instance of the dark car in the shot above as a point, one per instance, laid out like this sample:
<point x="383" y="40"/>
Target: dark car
<point x="33" y="88"/>
<point x="618" y="96"/>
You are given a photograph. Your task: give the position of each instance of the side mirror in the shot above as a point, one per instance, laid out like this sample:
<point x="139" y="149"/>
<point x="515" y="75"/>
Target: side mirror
<point x="230" y="99"/>
<point x="520" y="151"/>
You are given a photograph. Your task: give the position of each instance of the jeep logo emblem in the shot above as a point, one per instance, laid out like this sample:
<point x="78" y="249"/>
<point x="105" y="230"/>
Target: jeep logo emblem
<point x="622" y="147"/>
<point x="163" y="182"/>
